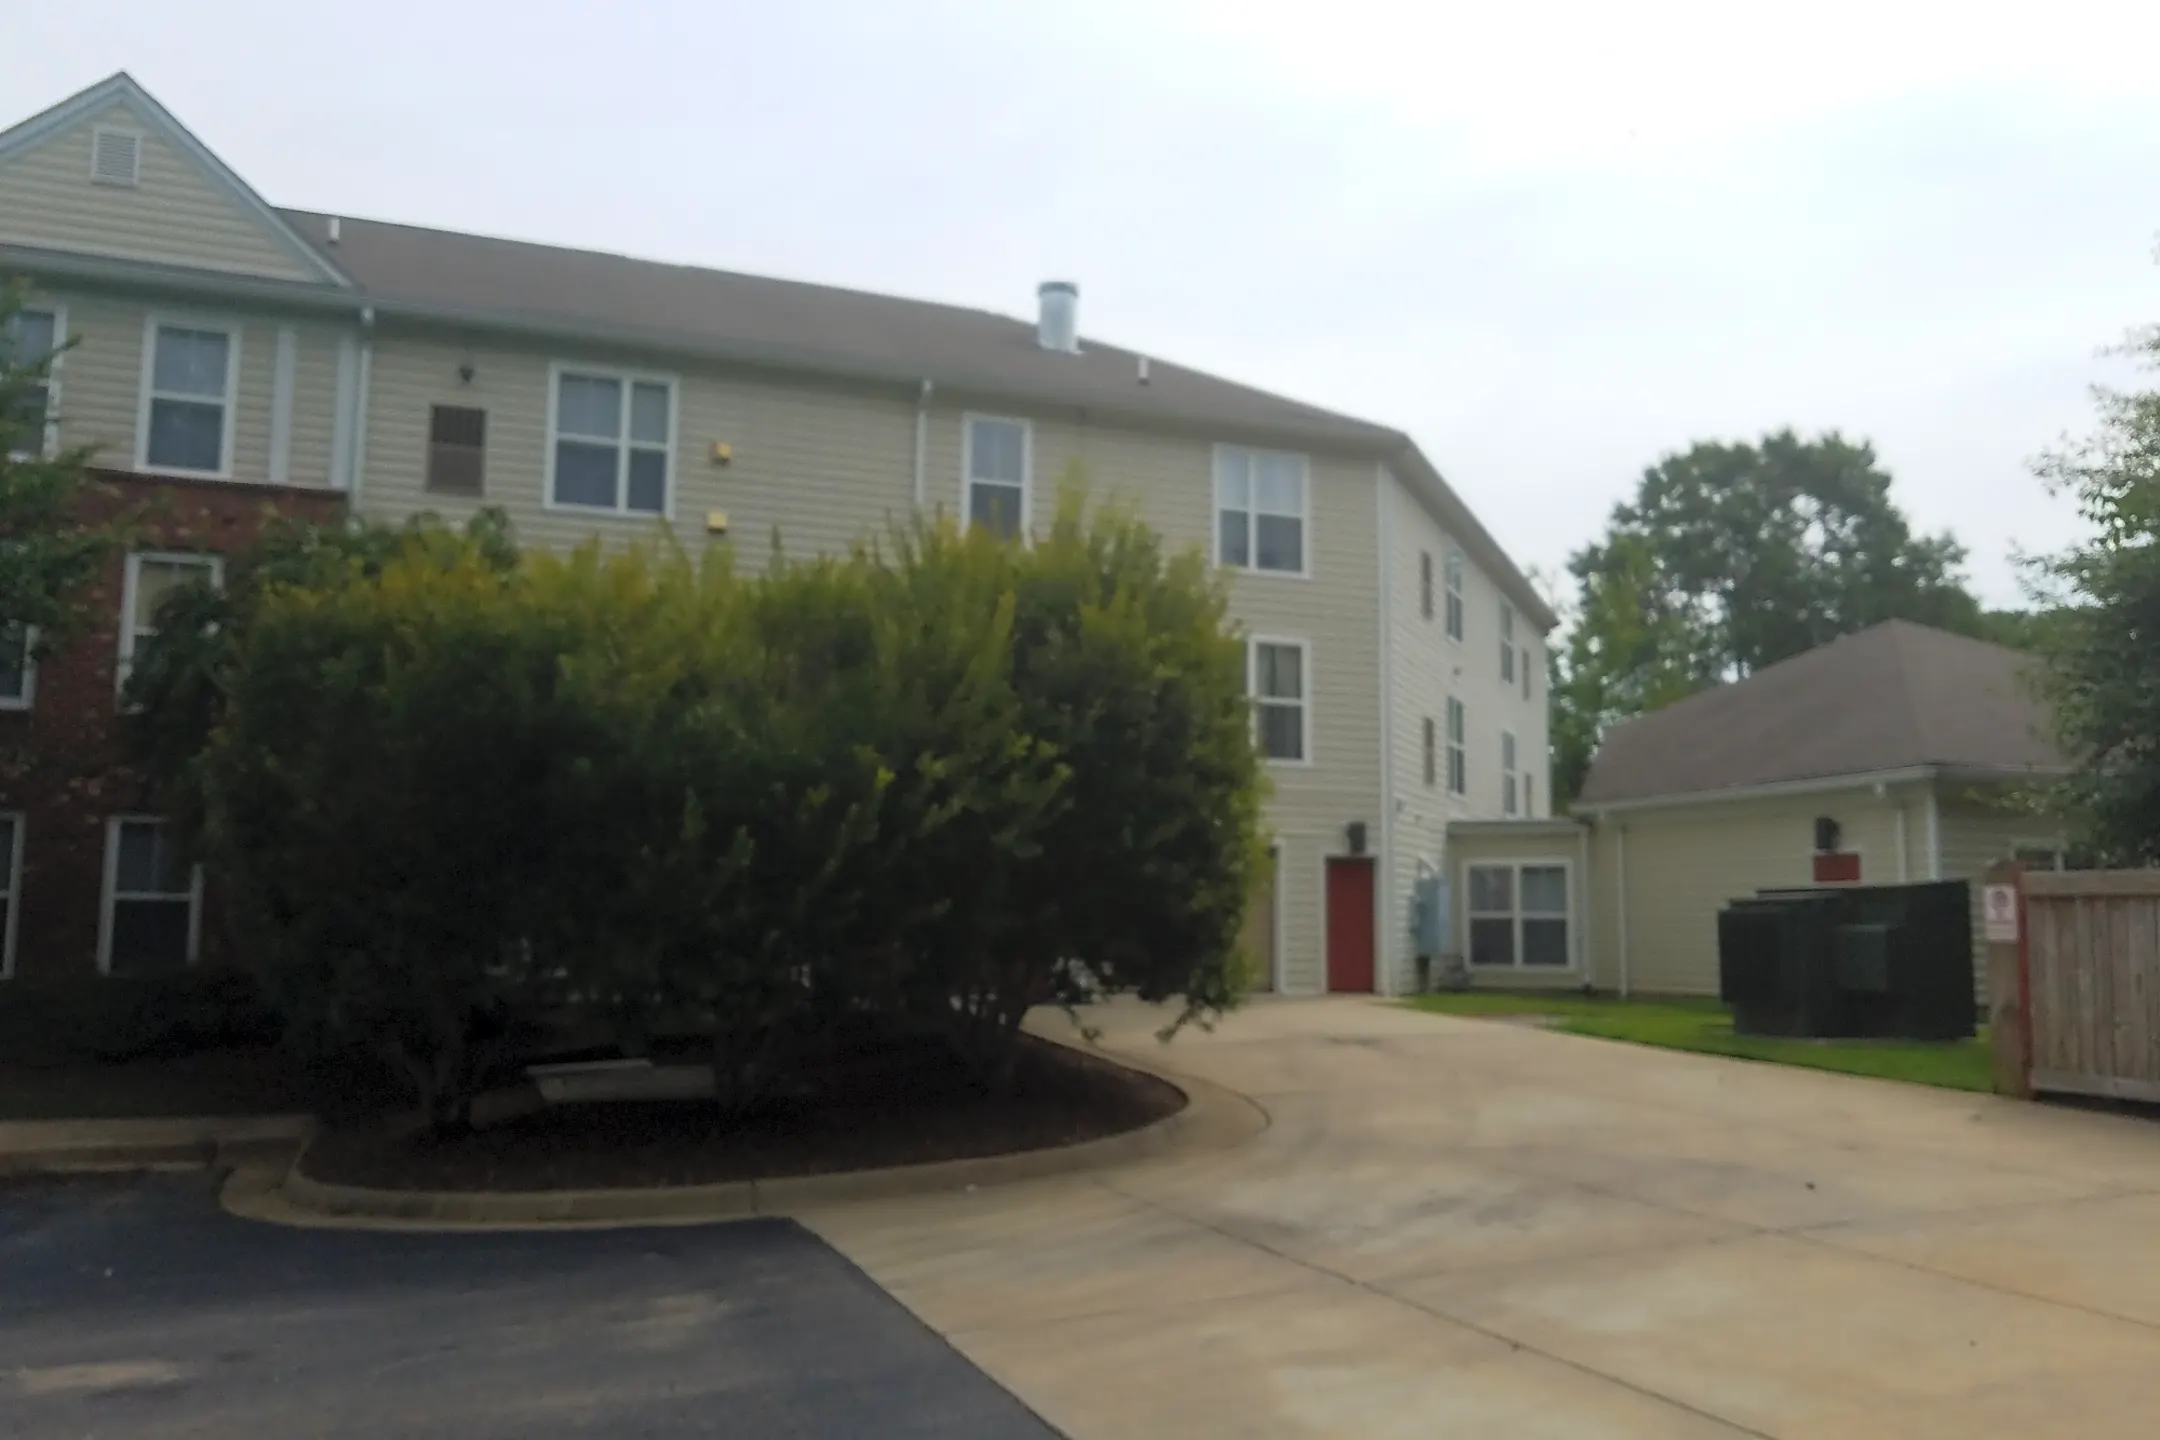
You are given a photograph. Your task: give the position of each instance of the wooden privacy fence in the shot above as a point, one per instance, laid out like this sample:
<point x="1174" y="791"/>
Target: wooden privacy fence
<point x="2092" y="981"/>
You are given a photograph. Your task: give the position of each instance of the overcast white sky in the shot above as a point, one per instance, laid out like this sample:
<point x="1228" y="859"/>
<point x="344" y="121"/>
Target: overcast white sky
<point x="1552" y="241"/>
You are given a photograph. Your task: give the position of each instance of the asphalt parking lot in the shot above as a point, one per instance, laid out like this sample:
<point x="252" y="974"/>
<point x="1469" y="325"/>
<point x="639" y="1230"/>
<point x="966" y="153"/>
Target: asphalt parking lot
<point x="135" y="1307"/>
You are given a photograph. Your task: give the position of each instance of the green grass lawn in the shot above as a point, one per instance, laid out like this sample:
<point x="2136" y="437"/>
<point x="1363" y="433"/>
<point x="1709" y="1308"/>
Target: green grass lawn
<point x="1705" y="1026"/>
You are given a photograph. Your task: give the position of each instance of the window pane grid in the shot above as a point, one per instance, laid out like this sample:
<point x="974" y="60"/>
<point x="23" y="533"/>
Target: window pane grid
<point x="1277" y="685"/>
<point x="1260" y="499"/>
<point x="1518" y="916"/>
<point x="190" y="384"/>
<point x="612" y="442"/>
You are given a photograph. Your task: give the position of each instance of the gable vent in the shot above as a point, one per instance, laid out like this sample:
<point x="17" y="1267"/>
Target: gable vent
<point x="116" y="157"/>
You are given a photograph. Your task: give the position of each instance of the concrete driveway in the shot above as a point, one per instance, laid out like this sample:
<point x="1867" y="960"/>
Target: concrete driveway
<point x="1466" y="1228"/>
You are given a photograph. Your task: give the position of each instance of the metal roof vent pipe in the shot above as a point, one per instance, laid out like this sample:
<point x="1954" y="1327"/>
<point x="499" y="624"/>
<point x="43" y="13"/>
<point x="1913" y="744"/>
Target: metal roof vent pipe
<point x="1059" y="325"/>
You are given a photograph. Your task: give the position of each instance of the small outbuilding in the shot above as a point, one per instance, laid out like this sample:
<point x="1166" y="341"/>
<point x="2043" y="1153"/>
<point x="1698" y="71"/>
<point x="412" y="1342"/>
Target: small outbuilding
<point x="1898" y="754"/>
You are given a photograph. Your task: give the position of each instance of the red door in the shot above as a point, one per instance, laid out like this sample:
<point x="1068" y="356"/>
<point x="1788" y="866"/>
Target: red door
<point x="1350" y="925"/>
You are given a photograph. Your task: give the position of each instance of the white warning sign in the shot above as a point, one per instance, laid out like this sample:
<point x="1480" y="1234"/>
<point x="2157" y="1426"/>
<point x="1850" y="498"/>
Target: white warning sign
<point x="1999" y="913"/>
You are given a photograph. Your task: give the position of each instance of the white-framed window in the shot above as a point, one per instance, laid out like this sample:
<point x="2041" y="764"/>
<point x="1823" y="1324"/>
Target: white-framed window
<point x="18" y="667"/>
<point x="611" y="440"/>
<point x="1261" y="510"/>
<point x="1526" y="672"/>
<point x="1507" y="773"/>
<point x="1458" y="749"/>
<point x="151" y="921"/>
<point x="191" y="370"/>
<point x="996" y="470"/>
<point x="151" y="576"/>
<point x="1507" y="644"/>
<point x="1432" y="753"/>
<point x="1518" y="915"/>
<point x="11" y="867"/>
<point x="1529" y="803"/>
<point x="1454" y="576"/>
<point x="1425" y="583"/>
<point x="33" y="333"/>
<point x="1279" y="679"/>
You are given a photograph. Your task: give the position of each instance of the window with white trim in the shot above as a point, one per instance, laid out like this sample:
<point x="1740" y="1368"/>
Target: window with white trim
<point x="151" y="896"/>
<point x="1425" y="584"/>
<point x="18" y="666"/>
<point x="32" y="335"/>
<point x="1260" y="510"/>
<point x="1458" y="750"/>
<point x="1454" y="575"/>
<point x="1507" y="644"/>
<point x="1432" y="753"/>
<point x="11" y="858"/>
<point x="1518" y="916"/>
<point x="1507" y="773"/>
<point x="1277" y="681"/>
<point x="1526" y="672"/>
<point x="151" y="576"/>
<point x="189" y="375"/>
<point x="1529" y="806"/>
<point x="612" y="442"/>
<point x="999" y="457"/>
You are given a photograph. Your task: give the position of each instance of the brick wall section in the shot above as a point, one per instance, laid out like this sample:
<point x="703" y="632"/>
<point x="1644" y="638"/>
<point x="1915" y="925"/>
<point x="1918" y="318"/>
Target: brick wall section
<point x="77" y="778"/>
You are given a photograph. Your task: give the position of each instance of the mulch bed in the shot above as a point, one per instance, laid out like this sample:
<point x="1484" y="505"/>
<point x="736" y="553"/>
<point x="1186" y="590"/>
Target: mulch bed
<point x="929" y="1111"/>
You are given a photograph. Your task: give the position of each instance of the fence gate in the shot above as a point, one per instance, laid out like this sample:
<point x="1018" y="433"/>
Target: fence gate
<point x="2093" y="981"/>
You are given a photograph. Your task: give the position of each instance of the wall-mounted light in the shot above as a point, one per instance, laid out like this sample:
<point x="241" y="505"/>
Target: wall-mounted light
<point x="465" y="373"/>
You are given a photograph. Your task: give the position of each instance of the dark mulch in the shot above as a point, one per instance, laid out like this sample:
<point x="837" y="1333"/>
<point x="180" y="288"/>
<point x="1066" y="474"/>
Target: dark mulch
<point x="252" y="1081"/>
<point x="925" y="1110"/>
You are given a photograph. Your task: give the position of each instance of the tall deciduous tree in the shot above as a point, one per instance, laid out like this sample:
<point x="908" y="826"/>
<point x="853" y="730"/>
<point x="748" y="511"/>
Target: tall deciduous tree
<point x="1731" y="557"/>
<point x="2102" y="646"/>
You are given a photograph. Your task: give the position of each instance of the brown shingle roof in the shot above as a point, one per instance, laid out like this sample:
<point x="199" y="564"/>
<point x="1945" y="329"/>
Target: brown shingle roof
<point x="1892" y="697"/>
<point x="822" y="326"/>
<point x="549" y="289"/>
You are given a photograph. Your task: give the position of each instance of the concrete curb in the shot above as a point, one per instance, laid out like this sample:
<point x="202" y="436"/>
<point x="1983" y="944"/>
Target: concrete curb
<point x="67" y="1147"/>
<point x="1212" y="1119"/>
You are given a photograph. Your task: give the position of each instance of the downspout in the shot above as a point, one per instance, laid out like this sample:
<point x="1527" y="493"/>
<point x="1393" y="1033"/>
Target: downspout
<point x="922" y="439"/>
<point x="1934" y="833"/>
<point x="360" y="409"/>
<point x="1620" y="866"/>
<point x="1588" y="901"/>
<point x="1386" y="924"/>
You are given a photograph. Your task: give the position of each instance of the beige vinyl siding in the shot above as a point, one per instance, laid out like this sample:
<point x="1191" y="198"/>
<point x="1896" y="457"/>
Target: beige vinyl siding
<point x="177" y="215"/>
<point x="1428" y="668"/>
<point x="1467" y="848"/>
<point x="823" y="466"/>
<point x="1684" y="863"/>
<point x="101" y="378"/>
<point x="1169" y="481"/>
<point x="1976" y="831"/>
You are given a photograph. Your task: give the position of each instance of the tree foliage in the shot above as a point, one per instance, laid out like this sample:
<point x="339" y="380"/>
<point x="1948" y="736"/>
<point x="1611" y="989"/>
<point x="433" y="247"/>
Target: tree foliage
<point x="48" y="553"/>
<point x="2102" y="643"/>
<point x="927" y="785"/>
<point x="1731" y="557"/>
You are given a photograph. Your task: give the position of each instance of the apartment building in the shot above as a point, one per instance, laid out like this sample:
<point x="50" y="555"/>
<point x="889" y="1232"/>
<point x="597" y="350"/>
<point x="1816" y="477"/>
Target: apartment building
<point x="222" y="345"/>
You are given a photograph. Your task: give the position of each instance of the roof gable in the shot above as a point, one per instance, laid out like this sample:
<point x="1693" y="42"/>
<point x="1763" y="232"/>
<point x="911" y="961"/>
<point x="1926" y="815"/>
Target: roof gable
<point x="1894" y="697"/>
<point x="188" y="208"/>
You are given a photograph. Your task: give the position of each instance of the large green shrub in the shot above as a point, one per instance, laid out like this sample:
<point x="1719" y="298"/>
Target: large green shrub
<point x="925" y="786"/>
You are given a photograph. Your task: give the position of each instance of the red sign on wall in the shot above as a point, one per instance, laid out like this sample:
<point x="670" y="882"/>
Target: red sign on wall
<point x="1837" y="867"/>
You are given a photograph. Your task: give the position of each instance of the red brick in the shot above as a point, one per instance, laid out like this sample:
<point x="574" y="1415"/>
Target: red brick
<point x="77" y="777"/>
